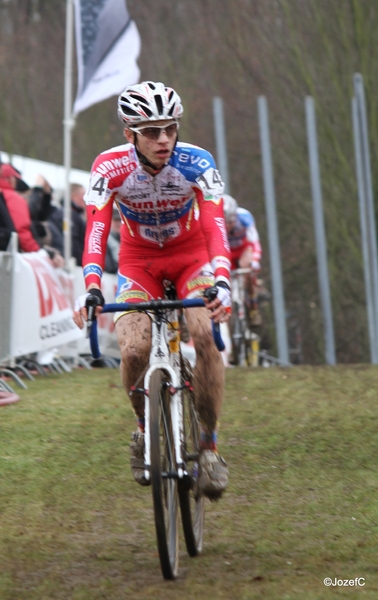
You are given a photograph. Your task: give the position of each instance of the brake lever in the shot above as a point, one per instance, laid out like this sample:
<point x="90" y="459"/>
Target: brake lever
<point x="91" y="304"/>
<point x="211" y="293"/>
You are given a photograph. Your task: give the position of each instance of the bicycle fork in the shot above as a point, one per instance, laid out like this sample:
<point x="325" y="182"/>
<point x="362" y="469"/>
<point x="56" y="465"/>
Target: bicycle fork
<point x="160" y="358"/>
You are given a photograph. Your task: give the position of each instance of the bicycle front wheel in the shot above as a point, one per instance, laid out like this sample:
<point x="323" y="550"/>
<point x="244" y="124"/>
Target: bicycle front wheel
<point x="163" y="474"/>
<point x="192" y="503"/>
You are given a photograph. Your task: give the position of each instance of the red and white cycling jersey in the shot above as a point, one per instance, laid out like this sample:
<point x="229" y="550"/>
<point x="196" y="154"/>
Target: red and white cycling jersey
<point x="180" y="207"/>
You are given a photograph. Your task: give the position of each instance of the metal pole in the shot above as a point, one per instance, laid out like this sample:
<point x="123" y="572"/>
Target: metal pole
<point x="371" y="229"/>
<point x="68" y="124"/>
<point x="274" y="251"/>
<point x="220" y="140"/>
<point x="364" y="232"/>
<point x="320" y="238"/>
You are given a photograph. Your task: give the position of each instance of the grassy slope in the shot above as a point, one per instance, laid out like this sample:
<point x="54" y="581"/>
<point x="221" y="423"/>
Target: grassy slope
<point x="302" y="448"/>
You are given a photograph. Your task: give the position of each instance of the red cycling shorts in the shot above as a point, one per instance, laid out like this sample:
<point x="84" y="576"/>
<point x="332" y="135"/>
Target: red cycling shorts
<point x="142" y="272"/>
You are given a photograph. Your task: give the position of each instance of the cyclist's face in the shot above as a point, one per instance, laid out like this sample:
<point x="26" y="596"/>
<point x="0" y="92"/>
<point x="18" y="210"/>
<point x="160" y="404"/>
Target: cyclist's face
<point x="157" y="151"/>
<point x="230" y="223"/>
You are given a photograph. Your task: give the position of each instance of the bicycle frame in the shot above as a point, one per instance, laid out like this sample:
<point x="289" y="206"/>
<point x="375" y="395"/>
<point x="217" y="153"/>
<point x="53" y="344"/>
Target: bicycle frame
<point x="239" y="331"/>
<point x="238" y="289"/>
<point x="164" y="354"/>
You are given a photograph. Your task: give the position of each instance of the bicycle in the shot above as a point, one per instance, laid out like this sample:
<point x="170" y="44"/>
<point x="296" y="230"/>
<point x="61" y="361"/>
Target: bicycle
<point x="240" y="332"/>
<point x="171" y="429"/>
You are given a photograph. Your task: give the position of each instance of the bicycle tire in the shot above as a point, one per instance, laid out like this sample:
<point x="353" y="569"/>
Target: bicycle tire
<point x="237" y="336"/>
<point x="164" y="489"/>
<point x="247" y="337"/>
<point x="192" y="503"/>
<point x="247" y="345"/>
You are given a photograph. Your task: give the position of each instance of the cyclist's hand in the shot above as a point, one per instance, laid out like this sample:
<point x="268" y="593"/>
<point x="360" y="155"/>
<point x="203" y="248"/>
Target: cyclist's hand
<point x="93" y="298"/>
<point x="218" y="301"/>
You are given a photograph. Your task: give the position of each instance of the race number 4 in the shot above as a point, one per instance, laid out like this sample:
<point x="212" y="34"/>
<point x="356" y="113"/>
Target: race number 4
<point x="97" y="195"/>
<point x="99" y="186"/>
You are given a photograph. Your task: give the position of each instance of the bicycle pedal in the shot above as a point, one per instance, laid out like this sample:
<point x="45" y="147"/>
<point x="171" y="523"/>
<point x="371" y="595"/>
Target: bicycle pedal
<point x="136" y="389"/>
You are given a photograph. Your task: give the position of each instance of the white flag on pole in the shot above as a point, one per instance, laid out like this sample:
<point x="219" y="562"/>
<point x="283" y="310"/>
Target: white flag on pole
<point x="108" y="45"/>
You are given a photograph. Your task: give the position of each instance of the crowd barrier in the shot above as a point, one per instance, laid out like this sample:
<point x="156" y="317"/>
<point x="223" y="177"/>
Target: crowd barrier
<point x="36" y="307"/>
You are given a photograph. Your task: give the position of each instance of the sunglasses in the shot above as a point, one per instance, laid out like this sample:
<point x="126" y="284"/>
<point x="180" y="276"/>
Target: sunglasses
<point x="153" y="133"/>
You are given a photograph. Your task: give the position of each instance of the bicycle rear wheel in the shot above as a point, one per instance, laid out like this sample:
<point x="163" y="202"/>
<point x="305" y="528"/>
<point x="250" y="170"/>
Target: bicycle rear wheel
<point x="248" y="345"/>
<point x="163" y="475"/>
<point x="237" y="336"/>
<point x="192" y="504"/>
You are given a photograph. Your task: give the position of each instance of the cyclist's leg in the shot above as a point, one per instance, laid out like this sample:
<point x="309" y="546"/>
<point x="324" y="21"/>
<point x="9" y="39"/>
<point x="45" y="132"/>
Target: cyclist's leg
<point x="208" y="384"/>
<point x="134" y="338"/>
<point x="208" y="387"/>
<point x="209" y="368"/>
<point x="192" y="282"/>
<point x="245" y="262"/>
<point x="133" y="332"/>
<point x="133" y="329"/>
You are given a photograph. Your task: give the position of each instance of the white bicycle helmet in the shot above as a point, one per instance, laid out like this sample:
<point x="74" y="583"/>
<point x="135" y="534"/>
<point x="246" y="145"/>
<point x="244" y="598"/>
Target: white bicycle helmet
<point x="229" y="207"/>
<point x="148" y="101"/>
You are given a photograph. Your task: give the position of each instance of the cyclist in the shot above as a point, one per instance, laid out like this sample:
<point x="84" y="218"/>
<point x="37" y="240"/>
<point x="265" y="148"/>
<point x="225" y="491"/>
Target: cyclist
<point x="245" y="248"/>
<point x="169" y="195"/>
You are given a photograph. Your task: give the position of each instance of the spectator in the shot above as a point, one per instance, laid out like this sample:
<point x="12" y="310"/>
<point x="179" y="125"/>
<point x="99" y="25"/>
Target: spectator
<point x="6" y="224"/>
<point x="77" y="220"/>
<point x="11" y="185"/>
<point x="41" y="210"/>
<point x="112" y="248"/>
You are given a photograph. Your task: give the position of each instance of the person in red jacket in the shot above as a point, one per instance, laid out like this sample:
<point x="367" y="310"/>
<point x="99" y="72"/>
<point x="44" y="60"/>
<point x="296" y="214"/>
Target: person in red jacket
<point x="10" y="186"/>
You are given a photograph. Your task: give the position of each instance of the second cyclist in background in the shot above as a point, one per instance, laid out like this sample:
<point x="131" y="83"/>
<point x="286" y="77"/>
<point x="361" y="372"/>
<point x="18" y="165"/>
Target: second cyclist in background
<point x="246" y="251"/>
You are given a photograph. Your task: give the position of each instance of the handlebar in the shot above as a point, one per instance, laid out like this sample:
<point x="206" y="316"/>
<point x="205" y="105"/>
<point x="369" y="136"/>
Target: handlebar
<point x="240" y="271"/>
<point x="154" y="306"/>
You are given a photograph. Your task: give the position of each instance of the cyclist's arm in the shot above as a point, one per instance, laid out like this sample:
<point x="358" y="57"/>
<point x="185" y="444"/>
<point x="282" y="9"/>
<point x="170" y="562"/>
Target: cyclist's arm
<point x="209" y="190"/>
<point x="99" y="203"/>
<point x="214" y="229"/>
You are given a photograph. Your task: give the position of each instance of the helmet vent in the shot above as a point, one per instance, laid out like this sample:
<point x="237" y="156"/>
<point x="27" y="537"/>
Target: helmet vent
<point x="151" y="85"/>
<point x="170" y="113"/>
<point x="139" y="98"/>
<point x="159" y="103"/>
<point x="147" y="111"/>
<point x="129" y="111"/>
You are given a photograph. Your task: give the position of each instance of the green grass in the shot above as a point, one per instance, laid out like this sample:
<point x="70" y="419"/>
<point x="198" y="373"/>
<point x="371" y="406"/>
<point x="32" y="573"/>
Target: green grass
<point x="302" y="447"/>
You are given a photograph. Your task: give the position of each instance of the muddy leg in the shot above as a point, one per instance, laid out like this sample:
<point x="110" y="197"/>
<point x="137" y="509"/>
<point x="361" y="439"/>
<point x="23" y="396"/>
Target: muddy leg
<point x="134" y="338"/>
<point x="209" y="370"/>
